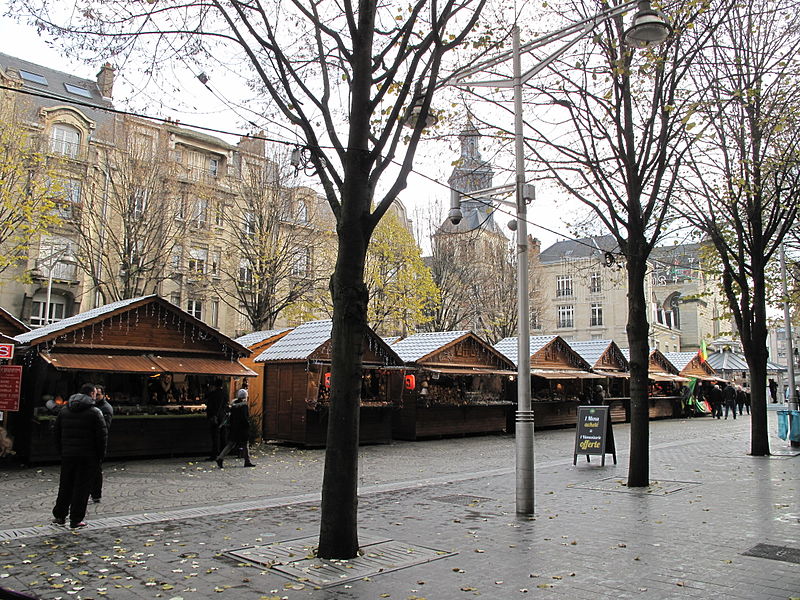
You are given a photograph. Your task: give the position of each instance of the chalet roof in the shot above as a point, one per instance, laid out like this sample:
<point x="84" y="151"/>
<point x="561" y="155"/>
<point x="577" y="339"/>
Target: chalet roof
<point x="256" y="337"/>
<point x="680" y="359"/>
<point x="589" y="247"/>
<point x="391" y="339"/>
<point x="508" y="346"/>
<point x="726" y="360"/>
<point x="99" y="314"/>
<point x="655" y="356"/>
<point x="52" y="89"/>
<point x="420" y="345"/>
<point x="591" y="351"/>
<point x="11" y="325"/>
<point x="299" y="343"/>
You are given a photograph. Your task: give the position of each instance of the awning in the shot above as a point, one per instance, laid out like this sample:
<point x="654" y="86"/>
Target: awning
<point x="612" y="373"/>
<point x="139" y="363"/>
<point x="666" y="377"/>
<point x="202" y="366"/>
<point x="121" y="363"/>
<point x="564" y="374"/>
<point x="468" y="371"/>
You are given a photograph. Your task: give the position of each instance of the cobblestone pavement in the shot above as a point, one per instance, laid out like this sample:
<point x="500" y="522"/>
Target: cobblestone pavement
<point x="164" y="525"/>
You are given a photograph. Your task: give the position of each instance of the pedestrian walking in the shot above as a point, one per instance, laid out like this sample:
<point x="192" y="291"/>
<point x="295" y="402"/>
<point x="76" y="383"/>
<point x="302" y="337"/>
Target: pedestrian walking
<point x="740" y="399"/>
<point x="80" y="437"/>
<point x="101" y="402"/>
<point x="216" y="408"/>
<point x="773" y="390"/>
<point x="729" y="397"/>
<point x="599" y="395"/>
<point x="715" y="396"/>
<point x="747" y="399"/>
<point x="238" y="429"/>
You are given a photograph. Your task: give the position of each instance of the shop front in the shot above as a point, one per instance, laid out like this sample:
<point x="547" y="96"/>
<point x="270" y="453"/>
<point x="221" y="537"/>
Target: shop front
<point x="296" y="387"/>
<point x="457" y="385"/>
<point x="560" y="379"/>
<point x="664" y="390"/>
<point x="607" y="359"/>
<point x="156" y="363"/>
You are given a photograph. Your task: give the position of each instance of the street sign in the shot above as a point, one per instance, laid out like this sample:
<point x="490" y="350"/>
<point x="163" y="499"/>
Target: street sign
<point x="593" y="434"/>
<point x="6" y="351"/>
<point x="10" y="385"/>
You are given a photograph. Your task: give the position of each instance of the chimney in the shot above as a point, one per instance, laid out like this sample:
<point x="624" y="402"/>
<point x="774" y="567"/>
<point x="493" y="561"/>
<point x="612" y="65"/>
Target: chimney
<point x="535" y="246"/>
<point x="254" y="145"/>
<point x="105" y="80"/>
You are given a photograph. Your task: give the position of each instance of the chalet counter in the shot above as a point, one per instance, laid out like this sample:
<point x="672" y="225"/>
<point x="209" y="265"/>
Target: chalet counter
<point x="415" y="422"/>
<point x="134" y="436"/>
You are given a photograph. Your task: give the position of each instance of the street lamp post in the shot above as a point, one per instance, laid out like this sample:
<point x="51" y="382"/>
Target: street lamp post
<point x="787" y="325"/>
<point x="649" y="28"/>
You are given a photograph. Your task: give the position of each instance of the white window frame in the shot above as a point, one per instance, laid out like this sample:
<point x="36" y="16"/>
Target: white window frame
<point x="595" y="282"/>
<point x="194" y="306"/>
<point x="596" y="315"/>
<point x="65" y="140"/>
<point x="198" y="260"/>
<point x="563" y="286"/>
<point x="565" y="316"/>
<point x="301" y="262"/>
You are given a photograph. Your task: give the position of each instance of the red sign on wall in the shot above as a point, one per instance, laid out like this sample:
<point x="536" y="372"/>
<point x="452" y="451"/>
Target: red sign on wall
<point x="6" y="351"/>
<point x="10" y="384"/>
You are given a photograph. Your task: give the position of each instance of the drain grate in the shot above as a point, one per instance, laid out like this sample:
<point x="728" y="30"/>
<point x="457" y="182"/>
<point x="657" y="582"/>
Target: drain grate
<point x="784" y="553"/>
<point x="294" y="559"/>
<point x="462" y="499"/>
<point x="661" y="487"/>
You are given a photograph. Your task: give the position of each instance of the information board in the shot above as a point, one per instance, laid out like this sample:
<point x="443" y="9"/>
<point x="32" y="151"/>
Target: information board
<point x="10" y="384"/>
<point x="593" y="434"/>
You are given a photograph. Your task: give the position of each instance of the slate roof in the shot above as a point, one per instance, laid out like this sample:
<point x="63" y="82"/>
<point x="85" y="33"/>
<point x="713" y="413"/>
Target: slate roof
<point x="56" y="91"/>
<point x="299" y="343"/>
<point x="733" y="361"/>
<point x="591" y="350"/>
<point x="680" y="359"/>
<point x="41" y="332"/>
<point x="256" y="337"/>
<point x="508" y="346"/>
<point x="420" y="345"/>
<point x="589" y="247"/>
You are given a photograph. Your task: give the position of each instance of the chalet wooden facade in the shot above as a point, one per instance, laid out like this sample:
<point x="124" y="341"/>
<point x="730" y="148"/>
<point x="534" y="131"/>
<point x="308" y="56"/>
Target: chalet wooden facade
<point x="665" y="383"/>
<point x="154" y="360"/>
<point x="459" y="386"/>
<point x="561" y="379"/>
<point x="607" y="359"/>
<point x="296" y="386"/>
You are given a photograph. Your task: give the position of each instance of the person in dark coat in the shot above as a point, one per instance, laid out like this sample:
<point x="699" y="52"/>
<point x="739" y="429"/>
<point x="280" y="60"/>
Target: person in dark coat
<point x="101" y="402"/>
<point x="238" y="429"/>
<point x="715" y="397"/>
<point x="81" y="437"/>
<point x="773" y="391"/>
<point x="216" y="409"/>
<point x="729" y="396"/>
<point x="740" y="400"/>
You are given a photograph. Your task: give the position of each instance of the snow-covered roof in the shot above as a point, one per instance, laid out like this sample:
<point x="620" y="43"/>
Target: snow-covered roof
<point x="591" y="350"/>
<point x="680" y="359"/>
<point x="299" y="343"/>
<point x="256" y="337"/>
<point x="41" y="332"/>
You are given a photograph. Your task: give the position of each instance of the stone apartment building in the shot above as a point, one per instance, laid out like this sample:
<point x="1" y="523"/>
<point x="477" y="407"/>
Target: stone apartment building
<point x="148" y="207"/>
<point x="584" y="287"/>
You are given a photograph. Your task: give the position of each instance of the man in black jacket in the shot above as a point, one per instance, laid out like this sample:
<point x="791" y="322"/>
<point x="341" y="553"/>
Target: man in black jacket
<point x="81" y="438"/>
<point x="216" y="411"/>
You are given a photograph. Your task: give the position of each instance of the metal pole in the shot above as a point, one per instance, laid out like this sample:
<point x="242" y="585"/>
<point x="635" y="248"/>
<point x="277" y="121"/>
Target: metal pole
<point x="524" y="421"/>
<point x="46" y="320"/>
<point x="787" y="325"/>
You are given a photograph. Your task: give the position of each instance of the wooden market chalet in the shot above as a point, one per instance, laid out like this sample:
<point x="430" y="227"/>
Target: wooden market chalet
<point x="607" y="359"/>
<point x="458" y="385"/>
<point x="155" y="361"/>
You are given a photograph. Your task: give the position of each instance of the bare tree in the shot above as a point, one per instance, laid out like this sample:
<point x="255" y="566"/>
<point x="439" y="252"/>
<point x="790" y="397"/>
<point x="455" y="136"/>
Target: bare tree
<point x="130" y="221"/>
<point x="744" y="194"/>
<point x="351" y="78"/>
<point x="614" y="142"/>
<point x="279" y="231"/>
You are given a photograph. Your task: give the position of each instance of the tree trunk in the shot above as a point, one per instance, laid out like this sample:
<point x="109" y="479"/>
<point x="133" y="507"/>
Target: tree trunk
<point x="338" y="537"/>
<point x="756" y="354"/>
<point x="637" y="328"/>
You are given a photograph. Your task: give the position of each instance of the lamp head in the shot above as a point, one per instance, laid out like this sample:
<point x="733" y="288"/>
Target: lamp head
<point x="455" y="216"/>
<point x="649" y="28"/>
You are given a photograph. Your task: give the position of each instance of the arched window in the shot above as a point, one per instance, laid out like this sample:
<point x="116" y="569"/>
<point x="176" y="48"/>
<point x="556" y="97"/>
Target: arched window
<point x="65" y="140"/>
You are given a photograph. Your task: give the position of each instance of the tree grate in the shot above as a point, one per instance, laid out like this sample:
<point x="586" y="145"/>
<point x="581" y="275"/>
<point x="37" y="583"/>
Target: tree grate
<point x="462" y="499"/>
<point x="661" y="487"/>
<point x="295" y="560"/>
<point x="783" y="553"/>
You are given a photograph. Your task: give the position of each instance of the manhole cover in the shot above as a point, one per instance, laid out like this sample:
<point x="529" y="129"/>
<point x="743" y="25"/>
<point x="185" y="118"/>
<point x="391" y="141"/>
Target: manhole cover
<point x="294" y="559"/>
<point x="661" y="487"/>
<point x="461" y="499"/>
<point x="784" y="553"/>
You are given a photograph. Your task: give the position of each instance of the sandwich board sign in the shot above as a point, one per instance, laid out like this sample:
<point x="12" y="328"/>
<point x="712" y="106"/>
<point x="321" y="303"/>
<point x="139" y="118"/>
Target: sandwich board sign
<point x="593" y="434"/>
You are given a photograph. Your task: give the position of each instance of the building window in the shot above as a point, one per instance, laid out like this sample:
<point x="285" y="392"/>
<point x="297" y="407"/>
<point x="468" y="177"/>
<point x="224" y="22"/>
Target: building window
<point x="249" y="222"/>
<point x="213" y="167"/>
<point x="175" y="298"/>
<point x="40" y="315"/>
<point x="302" y="212"/>
<point x="139" y="203"/>
<point x="65" y="140"/>
<point x="176" y="258"/>
<point x="301" y="262"/>
<point x="595" y="283"/>
<point x="195" y="308"/>
<point x="56" y="258"/>
<point x="216" y="263"/>
<point x="198" y="258"/>
<point x="219" y="214"/>
<point x="566" y="316"/>
<point x="214" y="320"/>
<point x="596" y="317"/>
<point x="564" y="285"/>
<point x="200" y="212"/>
<point x="245" y="272"/>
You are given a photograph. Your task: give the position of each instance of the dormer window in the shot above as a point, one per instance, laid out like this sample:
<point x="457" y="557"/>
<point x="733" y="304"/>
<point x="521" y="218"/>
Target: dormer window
<point x="65" y="140"/>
